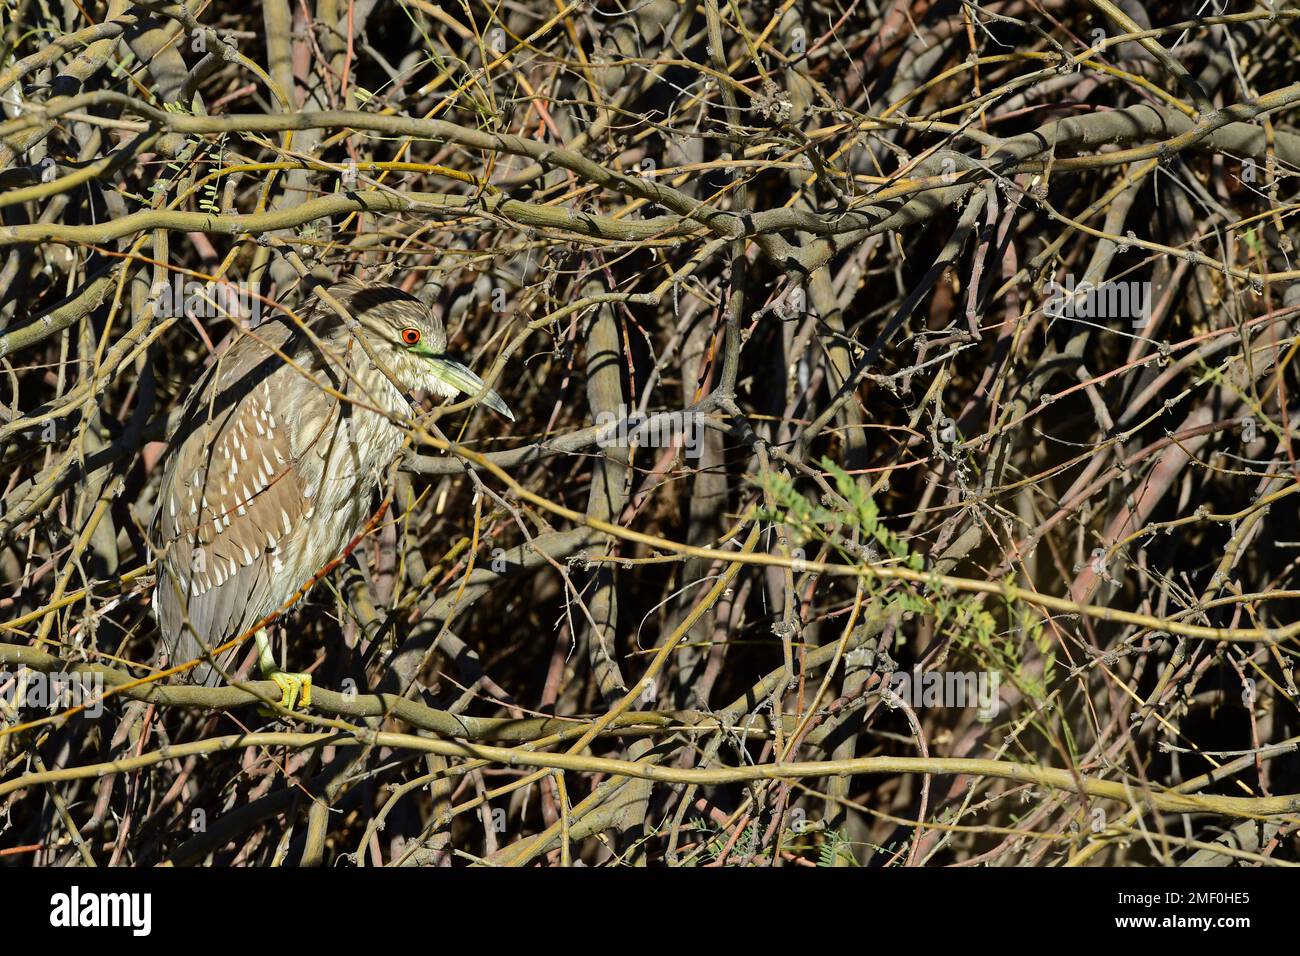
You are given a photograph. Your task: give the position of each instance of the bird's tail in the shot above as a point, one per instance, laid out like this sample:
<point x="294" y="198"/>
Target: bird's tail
<point x="187" y="648"/>
<point x="182" y="645"/>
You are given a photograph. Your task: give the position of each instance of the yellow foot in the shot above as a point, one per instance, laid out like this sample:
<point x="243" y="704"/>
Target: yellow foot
<point x="295" y="691"/>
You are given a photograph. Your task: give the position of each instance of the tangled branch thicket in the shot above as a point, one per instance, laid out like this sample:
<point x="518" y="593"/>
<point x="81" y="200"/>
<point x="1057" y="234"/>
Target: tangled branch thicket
<point x="958" y="527"/>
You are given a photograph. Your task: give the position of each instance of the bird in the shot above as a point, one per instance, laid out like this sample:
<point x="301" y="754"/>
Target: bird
<point x="273" y="465"/>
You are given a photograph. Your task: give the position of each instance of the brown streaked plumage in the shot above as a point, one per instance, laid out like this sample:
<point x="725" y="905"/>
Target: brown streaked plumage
<point x="271" y="473"/>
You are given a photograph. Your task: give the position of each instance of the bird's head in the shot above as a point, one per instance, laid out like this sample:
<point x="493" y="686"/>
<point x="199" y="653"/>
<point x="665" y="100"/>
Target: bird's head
<point x="411" y="340"/>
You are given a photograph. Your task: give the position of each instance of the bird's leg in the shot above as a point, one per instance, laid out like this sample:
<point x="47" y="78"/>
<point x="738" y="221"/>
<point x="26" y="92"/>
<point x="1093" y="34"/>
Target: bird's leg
<point x="294" y="688"/>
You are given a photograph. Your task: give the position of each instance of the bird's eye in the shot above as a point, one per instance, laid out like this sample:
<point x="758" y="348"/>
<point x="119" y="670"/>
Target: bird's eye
<point x="410" y="336"/>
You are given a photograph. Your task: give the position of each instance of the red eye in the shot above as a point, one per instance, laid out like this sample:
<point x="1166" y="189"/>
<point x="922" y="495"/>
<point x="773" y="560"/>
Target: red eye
<point x="411" y="336"/>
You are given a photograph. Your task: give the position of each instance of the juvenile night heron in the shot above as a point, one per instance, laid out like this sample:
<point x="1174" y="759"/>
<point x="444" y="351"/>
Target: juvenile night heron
<point x="273" y="466"/>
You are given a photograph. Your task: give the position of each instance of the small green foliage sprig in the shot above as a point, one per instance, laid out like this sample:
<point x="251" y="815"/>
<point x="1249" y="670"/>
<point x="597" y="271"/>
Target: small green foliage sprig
<point x="972" y="629"/>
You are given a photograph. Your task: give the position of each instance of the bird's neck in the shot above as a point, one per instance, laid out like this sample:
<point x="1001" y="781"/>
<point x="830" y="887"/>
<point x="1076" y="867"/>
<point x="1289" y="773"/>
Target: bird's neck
<point x="369" y="386"/>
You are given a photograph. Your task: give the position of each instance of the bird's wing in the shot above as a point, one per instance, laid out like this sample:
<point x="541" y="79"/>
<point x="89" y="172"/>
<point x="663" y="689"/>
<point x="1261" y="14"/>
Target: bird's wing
<point x="231" y="494"/>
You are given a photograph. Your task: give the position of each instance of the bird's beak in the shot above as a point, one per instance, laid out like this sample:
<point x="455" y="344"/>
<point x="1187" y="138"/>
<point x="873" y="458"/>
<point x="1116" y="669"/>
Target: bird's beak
<point x="450" y="372"/>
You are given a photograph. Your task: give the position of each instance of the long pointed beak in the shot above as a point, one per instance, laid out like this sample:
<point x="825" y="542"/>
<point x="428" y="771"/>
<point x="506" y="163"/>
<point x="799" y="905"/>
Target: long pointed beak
<point x="450" y="372"/>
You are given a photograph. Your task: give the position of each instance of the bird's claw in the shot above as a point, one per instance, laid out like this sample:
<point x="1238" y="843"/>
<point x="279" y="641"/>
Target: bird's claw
<point x="295" y="691"/>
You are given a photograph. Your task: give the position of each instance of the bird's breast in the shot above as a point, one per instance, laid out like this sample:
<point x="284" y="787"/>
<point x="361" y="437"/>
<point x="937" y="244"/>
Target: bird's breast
<point x="351" y="460"/>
